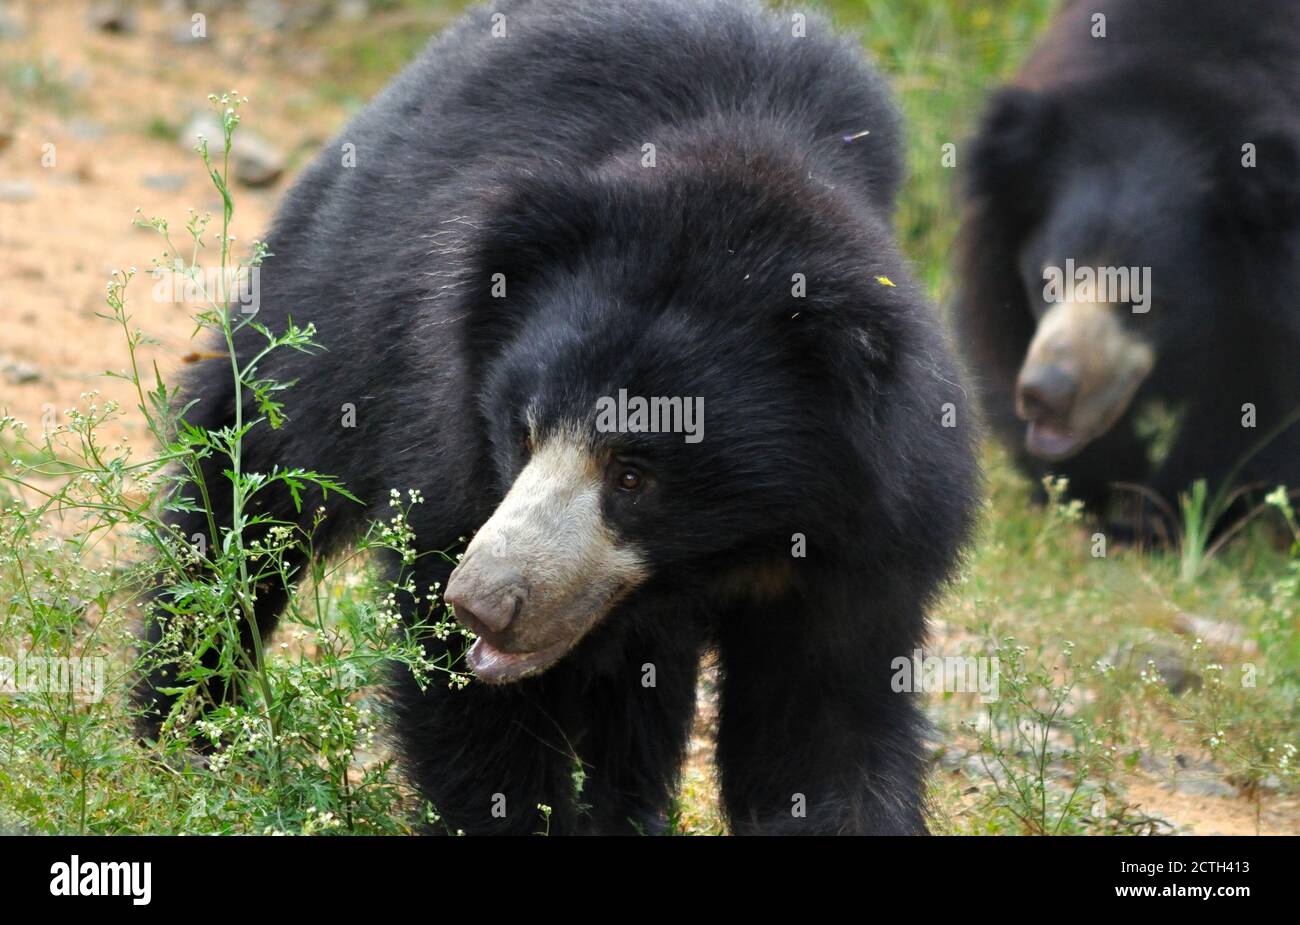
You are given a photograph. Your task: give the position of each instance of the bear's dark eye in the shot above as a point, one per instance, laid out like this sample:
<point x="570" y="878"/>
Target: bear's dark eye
<point x="629" y="479"/>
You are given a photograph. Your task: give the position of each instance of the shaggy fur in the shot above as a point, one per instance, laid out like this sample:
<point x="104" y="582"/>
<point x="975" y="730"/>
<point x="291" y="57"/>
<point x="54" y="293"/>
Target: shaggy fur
<point x="522" y="156"/>
<point x="1127" y="150"/>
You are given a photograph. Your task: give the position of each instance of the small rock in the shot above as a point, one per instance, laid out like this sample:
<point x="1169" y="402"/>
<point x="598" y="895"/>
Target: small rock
<point x="6" y="136"/>
<point x="984" y="769"/>
<point x="1169" y="662"/>
<point x="1204" y="786"/>
<point x="16" y="191"/>
<point x="1215" y="632"/>
<point x="1189" y="775"/>
<point x="266" y="14"/>
<point x="166" y="182"/>
<point x="1270" y="783"/>
<point x="952" y="757"/>
<point x="352" y="10"/>
<point x="85" y="129"/>
<point x="10" y="27"/>
<point x="1152" y="763"/>
<point x="112" y="16"/>
<point x="281" y="16"/>
<point x="17" y="372"/>
<point x="254" y="160"/>
<point x="257" y="162"/>
<point x="184" y="35"/>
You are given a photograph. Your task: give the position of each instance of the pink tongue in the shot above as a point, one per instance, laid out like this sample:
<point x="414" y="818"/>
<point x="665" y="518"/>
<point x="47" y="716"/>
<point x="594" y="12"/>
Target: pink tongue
<point x="489" y="663"/>
<point x="1049" y="440"/>
<point x="495" y="666"/>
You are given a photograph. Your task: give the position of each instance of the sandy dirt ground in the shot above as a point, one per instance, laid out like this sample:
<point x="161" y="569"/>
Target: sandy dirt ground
<point x="82" y="173"/>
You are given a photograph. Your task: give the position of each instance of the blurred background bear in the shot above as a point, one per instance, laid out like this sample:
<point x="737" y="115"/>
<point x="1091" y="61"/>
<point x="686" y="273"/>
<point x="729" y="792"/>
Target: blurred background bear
<point x="1131" y="254"/>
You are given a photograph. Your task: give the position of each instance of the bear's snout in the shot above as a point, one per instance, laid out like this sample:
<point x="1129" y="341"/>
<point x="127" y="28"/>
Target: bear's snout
<point x="1046" y="391"/>
<point x="486" y="593"/>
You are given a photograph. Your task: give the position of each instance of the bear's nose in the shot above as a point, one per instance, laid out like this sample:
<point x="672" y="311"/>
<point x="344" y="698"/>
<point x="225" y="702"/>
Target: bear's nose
<point x="487" y="595"/>
<point x="1045" y="392"/>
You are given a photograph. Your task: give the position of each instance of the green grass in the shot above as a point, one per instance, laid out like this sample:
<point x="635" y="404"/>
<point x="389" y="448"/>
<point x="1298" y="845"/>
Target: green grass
<point x="38" y="83"/>
<point x="942" y="57"/>
<point x="362" y="58"/>
<point x="1032" y="582"/>
<point x="1080" y="638"/>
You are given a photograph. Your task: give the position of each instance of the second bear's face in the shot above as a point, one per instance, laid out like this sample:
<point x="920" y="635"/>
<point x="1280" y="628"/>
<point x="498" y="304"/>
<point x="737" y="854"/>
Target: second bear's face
<point x="1132" y="224"/>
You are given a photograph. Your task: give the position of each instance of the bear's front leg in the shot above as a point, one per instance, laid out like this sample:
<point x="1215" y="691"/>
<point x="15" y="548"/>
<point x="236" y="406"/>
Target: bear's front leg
<point x="812" y="740"/>
<point x="635" y="687"/>
<point x="485" y="758"/>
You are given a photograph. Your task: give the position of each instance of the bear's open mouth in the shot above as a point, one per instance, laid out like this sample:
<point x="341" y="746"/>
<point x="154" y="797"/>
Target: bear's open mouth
<point x="1051" y="441"/>
<point x="494" y="666"/>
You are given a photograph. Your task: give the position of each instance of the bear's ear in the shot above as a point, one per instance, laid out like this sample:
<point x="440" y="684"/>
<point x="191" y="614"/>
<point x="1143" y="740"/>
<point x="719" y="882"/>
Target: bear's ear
<point x="1008" y="156"/>
<point x="527" y="223"/>
<point x="524" y="226"/>
<point x="1258" y="185"/>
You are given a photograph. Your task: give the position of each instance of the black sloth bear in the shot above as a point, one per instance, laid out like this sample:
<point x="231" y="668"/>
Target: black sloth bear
<point x="1133" y="241"/>
<point x="563" y="205"/>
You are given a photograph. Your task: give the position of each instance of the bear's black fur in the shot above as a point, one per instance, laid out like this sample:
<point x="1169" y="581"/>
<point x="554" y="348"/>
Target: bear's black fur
<point x="825" y="414"/>
<point x="1127" y="150"/>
